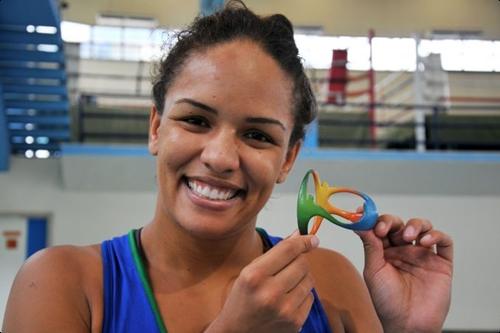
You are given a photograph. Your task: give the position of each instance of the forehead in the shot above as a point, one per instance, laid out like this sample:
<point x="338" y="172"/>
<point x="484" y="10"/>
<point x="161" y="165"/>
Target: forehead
<point x="236" y="74"/>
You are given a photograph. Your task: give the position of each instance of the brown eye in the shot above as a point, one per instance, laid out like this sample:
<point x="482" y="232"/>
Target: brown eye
<point x="259" y="136"/>
<point x="196" y="121"/>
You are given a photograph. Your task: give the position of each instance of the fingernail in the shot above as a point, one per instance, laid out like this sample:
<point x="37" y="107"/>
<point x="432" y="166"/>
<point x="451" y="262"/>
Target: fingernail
<point x="409" y="231"/>
<point x="381" y="226"/>
<point x="314" y="241"/>
<point x="426" y="238"/>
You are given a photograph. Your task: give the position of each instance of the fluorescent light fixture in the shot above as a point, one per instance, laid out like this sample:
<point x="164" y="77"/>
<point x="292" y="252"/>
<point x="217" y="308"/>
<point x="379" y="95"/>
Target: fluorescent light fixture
<point x="45" y="29"/>
<point x="42" y="153"/>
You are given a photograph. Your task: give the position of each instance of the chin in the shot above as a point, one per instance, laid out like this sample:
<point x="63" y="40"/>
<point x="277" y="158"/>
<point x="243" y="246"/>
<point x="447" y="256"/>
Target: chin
<point x="211" y="228"/>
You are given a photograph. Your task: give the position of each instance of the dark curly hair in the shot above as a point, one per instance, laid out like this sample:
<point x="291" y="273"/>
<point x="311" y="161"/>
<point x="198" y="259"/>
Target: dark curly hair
<point x="235" y="21"/>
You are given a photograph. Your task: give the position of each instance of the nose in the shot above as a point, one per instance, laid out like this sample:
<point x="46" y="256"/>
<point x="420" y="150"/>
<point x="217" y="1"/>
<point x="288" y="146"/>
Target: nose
<point x="221" y="153"/>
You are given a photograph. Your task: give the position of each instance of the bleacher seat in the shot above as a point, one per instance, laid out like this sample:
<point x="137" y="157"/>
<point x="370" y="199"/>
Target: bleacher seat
<point x="32" y="71"/>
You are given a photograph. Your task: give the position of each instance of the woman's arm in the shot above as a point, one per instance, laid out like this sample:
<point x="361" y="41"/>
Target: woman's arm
<point x="48" y="294"/>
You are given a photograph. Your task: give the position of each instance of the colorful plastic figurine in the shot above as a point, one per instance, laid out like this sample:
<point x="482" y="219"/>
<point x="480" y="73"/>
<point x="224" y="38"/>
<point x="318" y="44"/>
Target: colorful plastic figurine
<point x="321" y="209"/>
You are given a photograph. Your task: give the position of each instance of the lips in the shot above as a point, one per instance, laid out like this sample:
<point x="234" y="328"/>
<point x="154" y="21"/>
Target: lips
<point x="212" y="191"/>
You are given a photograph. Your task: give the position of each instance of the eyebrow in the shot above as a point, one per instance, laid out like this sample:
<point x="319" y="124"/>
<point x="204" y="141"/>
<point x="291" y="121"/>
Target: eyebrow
<point x="264" y="120"/>
<point x="196" y="104"/>
<point x="254" y="120"/>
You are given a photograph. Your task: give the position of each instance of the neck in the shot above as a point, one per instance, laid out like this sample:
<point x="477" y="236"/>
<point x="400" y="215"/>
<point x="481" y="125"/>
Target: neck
<point x="169" y="248"/>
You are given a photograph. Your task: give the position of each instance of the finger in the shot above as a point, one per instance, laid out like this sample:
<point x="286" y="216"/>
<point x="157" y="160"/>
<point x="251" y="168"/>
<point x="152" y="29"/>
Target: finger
<point x="387" y="223"/>
<point x="374" y="251"/>
<point x="295" y="233"/>
<point x="414" y="229"/>
<point x="390" y="229"/>
<point x="296" y="296"/>
<point x="292" y="275"/>
<point x="285" y="252"/>
<point x="443" y="242"/>
<point x="302" y="312"/>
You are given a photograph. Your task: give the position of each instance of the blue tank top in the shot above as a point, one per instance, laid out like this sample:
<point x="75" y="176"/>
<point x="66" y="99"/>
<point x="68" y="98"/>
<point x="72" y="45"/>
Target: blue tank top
<point x="129" y="303"/>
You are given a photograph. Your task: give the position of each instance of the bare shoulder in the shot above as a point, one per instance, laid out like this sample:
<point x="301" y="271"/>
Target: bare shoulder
<point x="342" y="292"/>
<point x="328" y="261"/>
<point x="54" y="291"/>
<point x="337" y="279"/>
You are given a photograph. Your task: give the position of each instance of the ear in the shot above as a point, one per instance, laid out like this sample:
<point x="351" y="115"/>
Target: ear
<point x="290" y="158"/>
<point x="154" y="125"/>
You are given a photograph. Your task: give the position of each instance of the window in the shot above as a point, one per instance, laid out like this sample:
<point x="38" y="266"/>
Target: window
<point x="389" y="54"/>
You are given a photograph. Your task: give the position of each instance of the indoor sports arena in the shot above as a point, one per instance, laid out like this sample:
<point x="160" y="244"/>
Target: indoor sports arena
<point x="170" y="121"/>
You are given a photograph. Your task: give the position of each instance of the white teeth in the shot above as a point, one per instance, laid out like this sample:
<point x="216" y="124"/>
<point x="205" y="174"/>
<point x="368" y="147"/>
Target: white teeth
<point x="210" y="192"/>
<point x="205" y="192"/>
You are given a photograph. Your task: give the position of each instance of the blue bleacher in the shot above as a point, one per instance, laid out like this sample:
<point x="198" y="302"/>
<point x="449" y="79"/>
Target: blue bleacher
<point x="33" y="76"/>
<point x="4" y="142"/>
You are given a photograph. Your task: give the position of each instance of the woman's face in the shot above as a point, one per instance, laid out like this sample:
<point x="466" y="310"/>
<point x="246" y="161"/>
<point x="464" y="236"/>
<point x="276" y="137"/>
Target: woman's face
<point x="222" y="141"/>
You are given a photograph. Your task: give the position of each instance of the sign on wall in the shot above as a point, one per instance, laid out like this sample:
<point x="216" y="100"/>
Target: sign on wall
<point x="11" y="239"/>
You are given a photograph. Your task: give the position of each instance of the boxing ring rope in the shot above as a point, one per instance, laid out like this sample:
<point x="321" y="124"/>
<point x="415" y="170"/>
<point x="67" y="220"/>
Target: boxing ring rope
<point x="443" y="130"/>
<point x="386" y="106"/>
<point x="418" y="101"/>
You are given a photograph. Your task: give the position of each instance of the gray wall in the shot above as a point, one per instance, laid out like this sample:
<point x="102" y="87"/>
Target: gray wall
<point x="92" y="196"/>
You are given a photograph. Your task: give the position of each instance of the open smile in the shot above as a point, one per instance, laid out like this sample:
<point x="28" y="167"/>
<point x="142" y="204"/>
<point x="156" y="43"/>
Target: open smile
<point x="211" y="191"/>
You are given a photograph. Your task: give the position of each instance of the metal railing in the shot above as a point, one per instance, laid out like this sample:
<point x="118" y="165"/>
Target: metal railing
<point x="116" y="124"/>
<point x="455" y="127"/>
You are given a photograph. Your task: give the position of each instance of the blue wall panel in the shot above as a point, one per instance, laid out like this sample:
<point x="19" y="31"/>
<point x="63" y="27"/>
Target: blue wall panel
<point x="4" y="136"/>
<point x="25" y="12"/>
<point x="37" y="235"/>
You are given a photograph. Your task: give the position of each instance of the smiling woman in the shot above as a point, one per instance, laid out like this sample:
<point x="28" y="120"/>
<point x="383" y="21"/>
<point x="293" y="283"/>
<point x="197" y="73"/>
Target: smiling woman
<point x="231" y="102"/>
<point x="225" y="127"/>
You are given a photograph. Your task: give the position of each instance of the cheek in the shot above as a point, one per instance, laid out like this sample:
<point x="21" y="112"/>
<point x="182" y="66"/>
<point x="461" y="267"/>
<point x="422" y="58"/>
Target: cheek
<point x="176" y="150"/>
<point x="264" y="167"/>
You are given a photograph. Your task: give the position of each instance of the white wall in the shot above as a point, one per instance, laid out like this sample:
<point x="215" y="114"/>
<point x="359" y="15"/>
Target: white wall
<point x="83" y="208"/>
<point x="10" y="258"/>
<point x="35" y="188"/>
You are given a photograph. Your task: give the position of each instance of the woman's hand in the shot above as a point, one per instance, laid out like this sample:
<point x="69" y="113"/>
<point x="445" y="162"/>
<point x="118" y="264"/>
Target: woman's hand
<point x="271" y="294"/>
<point x="408" y="270"/>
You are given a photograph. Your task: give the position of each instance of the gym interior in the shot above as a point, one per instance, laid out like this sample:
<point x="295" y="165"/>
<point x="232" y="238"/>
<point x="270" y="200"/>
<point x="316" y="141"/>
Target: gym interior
<point x="409" y="112"/>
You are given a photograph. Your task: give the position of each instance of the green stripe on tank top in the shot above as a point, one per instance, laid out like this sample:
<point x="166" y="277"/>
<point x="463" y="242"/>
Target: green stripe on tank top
<point x="139" y="265"/>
